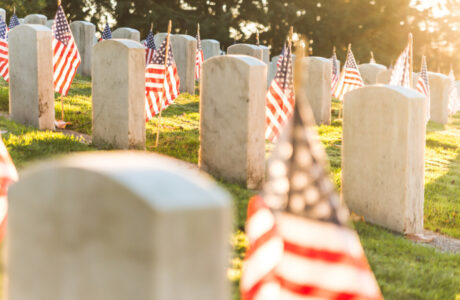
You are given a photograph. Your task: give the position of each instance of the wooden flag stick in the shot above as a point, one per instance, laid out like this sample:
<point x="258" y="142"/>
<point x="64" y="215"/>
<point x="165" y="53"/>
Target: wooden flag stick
<point x="290" y="37"/>
<point x="163" y="94"/>
<point x="411" y="60"/>
<point x="257" y="38"/>
<point x="59" y="3"/>
<point x="151" y="27"/>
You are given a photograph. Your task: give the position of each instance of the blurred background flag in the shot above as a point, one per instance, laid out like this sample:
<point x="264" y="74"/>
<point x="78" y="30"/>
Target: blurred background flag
<point x="350" y="79"/>
<point x="8" y="174"/>
<point x="423" y="86"/>
<point x="199" y="55"/>
<point x="335" y="70"/>
<point x="150" y="47"/>
<point x="4" y="71"/>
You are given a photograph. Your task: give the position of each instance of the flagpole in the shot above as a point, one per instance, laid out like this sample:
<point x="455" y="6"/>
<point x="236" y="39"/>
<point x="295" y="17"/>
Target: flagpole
<point x="62" y="97"/>
<point x="411" y="60"/>
<point x="163" y="94"/>
<point x="341" y="107"/>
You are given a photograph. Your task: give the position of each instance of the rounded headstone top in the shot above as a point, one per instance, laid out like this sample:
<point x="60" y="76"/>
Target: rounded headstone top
<point x="127" y="29"/>
<point x="210" y="41"/>
<point x="317" y="58"/>
<point x="241" y="59"/>
<point x="184" y="36"/>
<point x="373" y="66"/>
<point x="29" y="28"/>
<point x="243" y="46"/>
<point x="82" y="23"/>
<point x="380" y="89"/>
<point x="440" y="75"/>
<point x="36" y="19"/>
<point x="119" y="42"/>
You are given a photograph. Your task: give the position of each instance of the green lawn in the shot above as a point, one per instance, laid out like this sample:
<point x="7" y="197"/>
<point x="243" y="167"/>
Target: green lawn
<point x="403" y="270"/>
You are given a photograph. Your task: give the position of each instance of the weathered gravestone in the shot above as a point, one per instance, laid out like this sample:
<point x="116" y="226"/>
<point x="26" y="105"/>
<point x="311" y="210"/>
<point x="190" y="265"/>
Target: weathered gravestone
<point x="31" y="76"/>
<point x="159" y="38"/>
<point x="119" y="94"/>
<point x="439" y="89"/>
<point x="383" y="156"/>
<point x="273" y="66"/>
<point x="21" y="21"/>
<point x="317" y="80"/>
<point x="49" y="23"/>
<point x="83" y="33"/>
<point x="211" y="48"/>
<point x="117" y="226"/>
<point x="232" y="120"/>
<point x="127" y="33"/>
<point x="246" y="49"/>
<point x="3" y="14"/>
<point x="384" y="77"/>
<point x="35" y="19"/>
<point x="265" y="54"/>
<point x="369" y="72"/>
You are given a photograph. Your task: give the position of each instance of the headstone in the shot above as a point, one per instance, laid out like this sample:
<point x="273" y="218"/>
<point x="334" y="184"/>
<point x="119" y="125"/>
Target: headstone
<point x="384" y="77"/>
<point x="184" y="50"/>
<point x="3" y="14"/>
<point x="211" y="48"/>
<point x="49" y="23"/>
<point x="159" y="38"/>
<point x="246" y="49"/>
<point x="383" y="156"/>
<point x="439" y="90"/>
<point x="35" y="19"/>
<point x="31" y="76"/>
<point x="232" y="124"/>
<point x="95" y="40"/>
<point x="457" y="83"/>
<point x="127" y="33"/>
<point x="369" y="72"/>
<point x="118" y="94"/>
<point x="83" y="33"/>
<point x="21" y="21"/>
<point x="265" y="54"/>
<point x="317" y="82"/>
<point x="273" y="66"/>
<point x="115" y="226"/>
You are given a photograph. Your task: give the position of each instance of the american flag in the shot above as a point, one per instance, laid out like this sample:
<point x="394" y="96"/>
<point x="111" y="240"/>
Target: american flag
<point x="454" y="100"/>
<point x="150" y="47"/>
<point x="423" y="86"/>
<point x="8" y="174"/>
<point x="161" y="85"/>
<point x="401" y="70"/>
<point x="107" y="33"/>
<point x="299" y="245"/>
<point x="335" y="71"/>
<point x="4" y="72"/>
<point x="199" y="56"/>
<point x="280" y="98"/>
<point x="14" y="21"/>
<point x="350" y="79"/>
<point x="280" y="58"/>
<point x="66" y="58"/>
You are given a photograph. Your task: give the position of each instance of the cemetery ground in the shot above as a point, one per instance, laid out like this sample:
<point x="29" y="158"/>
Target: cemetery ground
<point x="403" y="269"/>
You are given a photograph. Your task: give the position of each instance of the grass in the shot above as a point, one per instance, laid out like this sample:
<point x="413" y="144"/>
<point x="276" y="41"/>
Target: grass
<point x="403" y="270"/>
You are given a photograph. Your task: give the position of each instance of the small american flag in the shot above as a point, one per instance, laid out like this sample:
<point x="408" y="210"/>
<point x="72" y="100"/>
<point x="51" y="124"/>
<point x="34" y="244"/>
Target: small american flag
<point x="8" y="174"/>
<point x="14" y="21"/>
<point x="454" y="100"/>
<point x="107" y="33"/>
<point x="199" y="56"/>
<point x="66" y="58"/>
<point x="401" y="70"/>
<point x="299" y="245"/>
<point x="280" y="98"/>
<point x="4" y="72"/>
<point x="335" y="71"/>
<point x="423" y="86"/>
<point x="150" y="47"/>
<point x="280" y="58"/>
<point x="161" y="84"/>
<point x="350" y="79"/>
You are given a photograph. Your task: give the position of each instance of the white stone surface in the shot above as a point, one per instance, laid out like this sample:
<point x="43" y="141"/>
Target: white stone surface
<point x="232" y="123"/>
<point x="31" y="76"/>
<point x="439" y="88"/>
<point x="83" y="33"/>
<point x="317" y="81"/>
<point x="117" y="226"/>
<point x="246" y="49"/>
<point x="384" y="77"/>
<point x="211" y="48"/>
<point x="369" y="72"/>
<point x="383" y="156"/>
<point x="159" y="38"/>
<point x="184" y="50"/>
<point x="265" y="54"/>
<point x="49" y="23"/>
<point x="118" y="94"/>
<point x="127" y="33"/>
<point x="21" y="20"/>
<point x="35" y="19"/>
<point x="3" y="14"/>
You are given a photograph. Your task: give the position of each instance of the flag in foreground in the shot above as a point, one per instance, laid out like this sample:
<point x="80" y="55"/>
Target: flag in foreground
<point x="107" y="33"/>
<point x="335" y="70"/>
<point x="4" y="58"/>
<point x="8" y="174"/>
<point x="150" y="48"/>
<point x="199" y="56"/>
<point x="161" y="82"/>
<point x="401" y="70"/>
<point x="350" y="79"/>
<point x="280" y="98"/>
<point x="299" y="245"/>
<point x="423" y="86"/>
<point x="454" y="99"/>
<point x="66" y="58"/>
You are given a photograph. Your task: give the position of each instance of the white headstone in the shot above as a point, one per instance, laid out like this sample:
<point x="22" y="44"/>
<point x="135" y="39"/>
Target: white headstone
<point x="49" y="23"/>
<point x="211" y="48"/>
<point x="83" y="33"/>
<point x="3" y="14"/>
<point x="246" y="49"/>
<point x="117" y="226"/>
<point x="232" y="123"/>
<point x="127" y="33"/>
<point x="383" y="156"/>
<point x="384" y="77"/>
<point x="31" y="76"/>
<point x="184" y="50"/>
<point x="35" y="19"/>
<point x="118" y="94"/>
<point x="439" y="89"/>
<point x="265" y="54"/>
<point x="369" y="72"/>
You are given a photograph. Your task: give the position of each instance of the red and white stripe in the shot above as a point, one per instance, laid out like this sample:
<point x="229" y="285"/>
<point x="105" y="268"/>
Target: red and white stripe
<point x="8" y="174"/>
<point x="160" y="86"/>
<point x="149" y="53"/>
<point x="278" y="111"/>
<point x="4" y="60"/>
<point x="66" y="61"/>
<point x="198" y="63"/>
<point x="350" y="79"/>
